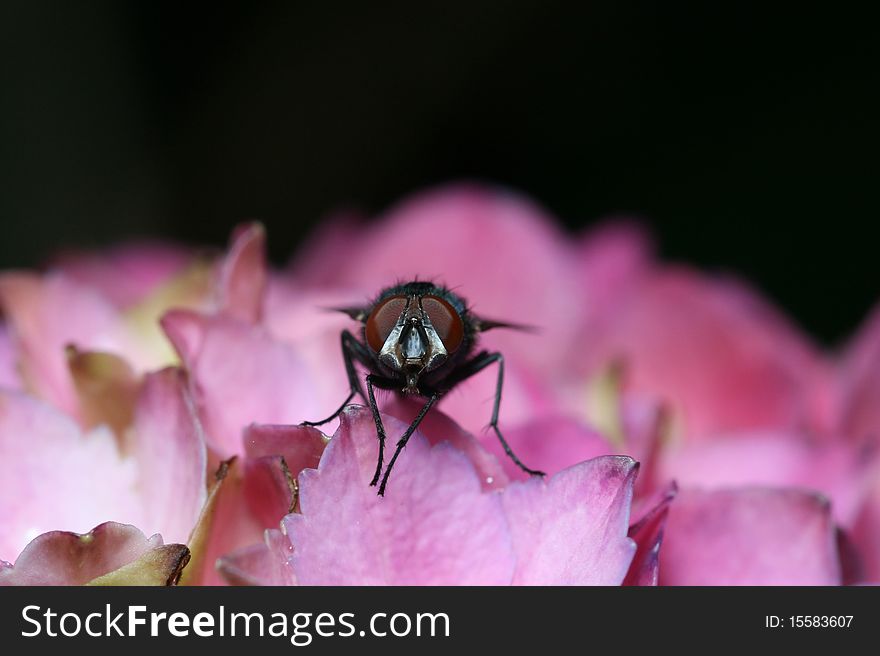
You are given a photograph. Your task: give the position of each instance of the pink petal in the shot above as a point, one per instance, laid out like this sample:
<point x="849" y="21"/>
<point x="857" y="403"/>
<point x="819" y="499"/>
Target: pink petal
<point x="852" y="567"/>
<point x="63" y="558"/>
<point x="613" y="259"/>
<point x="265" y="563"/>
<point x="298" y="316"/>
<point x="774" y="459"/>
<point x="186" y="331"/>
<point x="317" y="261"/>
<point x="225" y="525"/>
<point x="866" y="534"/>
<point x="724" y="359"/>
<point x="243" y="275"/>
<point x="648" y="535"/>
<point x="301" y="446"/>
<point x="240" y="375"/>
<point x="524" y="398"/>
<point x="170" y="451"/>
<point x="749" y="536"/>
<point x="54" y="477"/>
<point x="437" y="427"/>
<point x="269" y="489"/>
<point x="859" y="411"/>
<point x="433" y="527"/>
<point x="572" y="529"/>
<point x="127" y="273"/>
<point x="9" y="377"/>
<point x="275" y="457"/>
<point x="45" y="315"/>
<point x="548" y="444"/>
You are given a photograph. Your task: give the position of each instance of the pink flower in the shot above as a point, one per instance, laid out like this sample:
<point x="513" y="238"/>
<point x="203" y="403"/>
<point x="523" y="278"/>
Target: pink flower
<point x="724" y="364"/>
<point x="54" y="476"/>
<point x="710" y="351"/>
<point x="753" y="448"/>
<point x="438" y="525"/>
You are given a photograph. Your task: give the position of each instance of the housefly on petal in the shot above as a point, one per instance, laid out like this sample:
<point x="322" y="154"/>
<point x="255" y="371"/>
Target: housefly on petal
<point x="417" y="339"/>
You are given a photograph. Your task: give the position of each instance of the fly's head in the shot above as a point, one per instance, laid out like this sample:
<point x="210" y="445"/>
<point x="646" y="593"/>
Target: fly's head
<point x="420" y="333"/>
<point x="415" y="329"/>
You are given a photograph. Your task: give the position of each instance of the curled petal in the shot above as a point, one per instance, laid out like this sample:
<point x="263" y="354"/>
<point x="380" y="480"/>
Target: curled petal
<point x="110" y="554"/>
<point x="243" y="274"/>
<point x="163" y="565"/>
<point x="647" y="533"/>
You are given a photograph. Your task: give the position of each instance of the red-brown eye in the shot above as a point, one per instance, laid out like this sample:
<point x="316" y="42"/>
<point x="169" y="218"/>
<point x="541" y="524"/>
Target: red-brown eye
<point x="381" y="321"/>
<point x="446" y="320"/>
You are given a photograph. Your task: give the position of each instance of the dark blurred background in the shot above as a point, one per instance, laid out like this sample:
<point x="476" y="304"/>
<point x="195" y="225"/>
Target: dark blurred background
<point x="748" y="140"/>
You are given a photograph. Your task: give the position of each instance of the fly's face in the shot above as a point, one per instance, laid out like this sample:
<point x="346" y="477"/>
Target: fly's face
<point x="413" y="332"/>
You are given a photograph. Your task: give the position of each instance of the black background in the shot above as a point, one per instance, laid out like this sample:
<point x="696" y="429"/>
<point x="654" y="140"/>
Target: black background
<point x="746" y="137"/>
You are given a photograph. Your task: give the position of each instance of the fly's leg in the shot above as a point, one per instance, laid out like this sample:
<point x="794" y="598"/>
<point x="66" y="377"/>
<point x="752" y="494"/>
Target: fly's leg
<point x="352" y="350"/>
<point x="380" y="432"/>
<point x="475" y="365"/>
<point x="401" y="443"/>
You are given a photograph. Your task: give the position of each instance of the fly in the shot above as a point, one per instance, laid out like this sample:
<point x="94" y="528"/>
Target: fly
<point x="419" y="339"/>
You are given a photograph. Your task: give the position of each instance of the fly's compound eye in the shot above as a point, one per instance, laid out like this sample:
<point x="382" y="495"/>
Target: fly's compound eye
<point x="382" y="320"/>
<point x="446" y="321"/>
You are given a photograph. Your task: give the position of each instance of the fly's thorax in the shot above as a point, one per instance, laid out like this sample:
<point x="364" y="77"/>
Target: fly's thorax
<point x="416" y="333"/>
